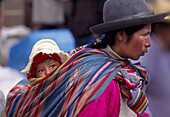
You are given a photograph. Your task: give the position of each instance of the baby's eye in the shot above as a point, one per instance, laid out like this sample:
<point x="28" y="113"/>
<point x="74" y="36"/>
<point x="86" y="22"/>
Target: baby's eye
<point x="52" y="66"/>
<point x="41" y="70"/>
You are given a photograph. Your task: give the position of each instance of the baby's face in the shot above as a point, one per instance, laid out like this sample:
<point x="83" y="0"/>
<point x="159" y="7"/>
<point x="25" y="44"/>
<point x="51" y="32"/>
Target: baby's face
<point x="46" y="67"/>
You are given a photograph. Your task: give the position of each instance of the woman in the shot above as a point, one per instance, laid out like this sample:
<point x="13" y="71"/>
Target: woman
<point x="98" y="79"/>
<point x="120" y="45"/>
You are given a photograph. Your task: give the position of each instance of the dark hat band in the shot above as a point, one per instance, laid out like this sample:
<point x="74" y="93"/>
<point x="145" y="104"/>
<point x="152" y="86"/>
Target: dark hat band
<point x="138" y="15"/>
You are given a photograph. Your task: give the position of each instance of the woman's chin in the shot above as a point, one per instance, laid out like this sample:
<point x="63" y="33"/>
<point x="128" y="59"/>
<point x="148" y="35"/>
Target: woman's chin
<point x="135" y="58"/>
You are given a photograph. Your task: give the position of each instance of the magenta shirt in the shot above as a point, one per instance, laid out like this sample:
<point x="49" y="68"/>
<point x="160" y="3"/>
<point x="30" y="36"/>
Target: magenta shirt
<point x="107" y="104"/>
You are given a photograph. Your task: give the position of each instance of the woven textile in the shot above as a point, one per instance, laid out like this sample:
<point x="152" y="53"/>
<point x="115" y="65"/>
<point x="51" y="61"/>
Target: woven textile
<point x="79" y="81"/>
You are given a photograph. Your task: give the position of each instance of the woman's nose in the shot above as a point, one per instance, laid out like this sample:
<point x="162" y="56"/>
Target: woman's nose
<point x="148" y="42"/>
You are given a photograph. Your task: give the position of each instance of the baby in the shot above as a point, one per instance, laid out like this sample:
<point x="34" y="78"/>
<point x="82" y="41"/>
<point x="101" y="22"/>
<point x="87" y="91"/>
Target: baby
<point x="45" y="58"/>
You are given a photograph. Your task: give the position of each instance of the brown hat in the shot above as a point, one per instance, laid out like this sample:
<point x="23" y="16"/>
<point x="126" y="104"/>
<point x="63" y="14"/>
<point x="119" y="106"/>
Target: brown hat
<point x="162" y="6"/>
<point x="119" y="14"/>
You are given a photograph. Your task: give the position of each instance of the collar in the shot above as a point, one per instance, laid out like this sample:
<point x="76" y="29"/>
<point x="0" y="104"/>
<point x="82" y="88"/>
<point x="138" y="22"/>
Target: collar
<point x="112" y="54"/>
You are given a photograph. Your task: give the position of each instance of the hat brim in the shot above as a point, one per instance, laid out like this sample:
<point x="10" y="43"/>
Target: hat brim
<point x="125" y="23"/>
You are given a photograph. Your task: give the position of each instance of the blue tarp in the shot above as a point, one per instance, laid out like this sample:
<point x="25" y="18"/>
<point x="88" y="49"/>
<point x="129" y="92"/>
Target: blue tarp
<point x="19" y="53"/>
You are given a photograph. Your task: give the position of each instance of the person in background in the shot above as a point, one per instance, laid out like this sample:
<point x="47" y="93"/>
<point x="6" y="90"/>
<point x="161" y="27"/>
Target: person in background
<point x="28" y="13"/>
<point x="2" y="97"/>
<point x="2" y="104"/>
<point x="44" y="59"/>
<point x="48" y="14"/>
<point x="85" y="13"/>
<point x="157" y="62"/>
<point x="0" y="14"/>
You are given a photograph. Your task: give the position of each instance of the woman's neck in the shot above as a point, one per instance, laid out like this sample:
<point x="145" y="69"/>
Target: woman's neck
<point x="113" y="53"/>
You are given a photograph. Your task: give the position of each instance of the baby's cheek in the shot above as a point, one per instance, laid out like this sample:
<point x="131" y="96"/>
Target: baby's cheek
<point x="40" y="75"/>
<point x="57" y="65"/>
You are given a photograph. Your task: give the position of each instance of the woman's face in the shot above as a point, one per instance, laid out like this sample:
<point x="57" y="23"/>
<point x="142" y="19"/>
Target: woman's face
<point x="46" y="67"/>
<point x="138" y="44"/>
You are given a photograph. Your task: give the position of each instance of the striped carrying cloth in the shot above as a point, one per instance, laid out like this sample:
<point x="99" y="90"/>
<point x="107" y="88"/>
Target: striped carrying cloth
<point x="77" y="82"/>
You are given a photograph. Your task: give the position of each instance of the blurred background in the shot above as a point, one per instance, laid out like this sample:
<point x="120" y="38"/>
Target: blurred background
<point x="24" y="22"/>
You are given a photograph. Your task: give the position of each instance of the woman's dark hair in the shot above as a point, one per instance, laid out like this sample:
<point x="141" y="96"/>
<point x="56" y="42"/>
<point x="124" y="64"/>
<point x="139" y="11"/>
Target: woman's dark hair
<point x="110" y="37"/>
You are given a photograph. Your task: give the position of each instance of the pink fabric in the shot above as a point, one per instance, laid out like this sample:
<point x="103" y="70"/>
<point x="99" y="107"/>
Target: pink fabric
<point x="107" y="105"/>
<point x="144" y="115"/>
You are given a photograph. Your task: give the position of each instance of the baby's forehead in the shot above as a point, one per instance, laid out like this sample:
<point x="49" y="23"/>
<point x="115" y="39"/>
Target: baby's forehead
<point x="48" y="60"/>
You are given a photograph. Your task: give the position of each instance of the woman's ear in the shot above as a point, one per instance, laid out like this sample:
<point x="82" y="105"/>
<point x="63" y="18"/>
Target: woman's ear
<point x="121" y="35"/>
